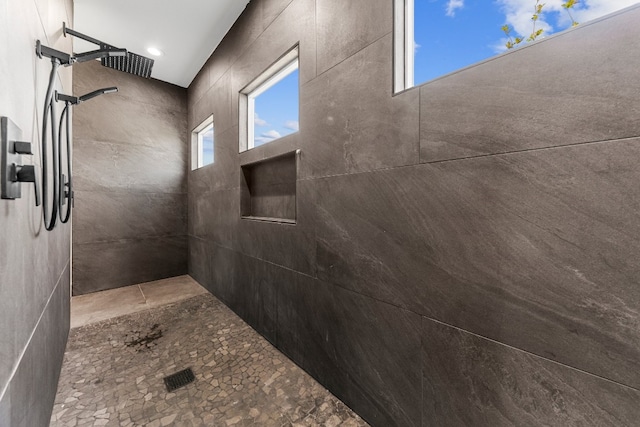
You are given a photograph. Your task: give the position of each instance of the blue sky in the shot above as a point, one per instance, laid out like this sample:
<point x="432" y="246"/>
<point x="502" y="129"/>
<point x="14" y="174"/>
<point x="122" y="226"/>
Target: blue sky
<point x="451" y="34"/>
<point x="277" y="110"/>
<point x="207" y="147"/>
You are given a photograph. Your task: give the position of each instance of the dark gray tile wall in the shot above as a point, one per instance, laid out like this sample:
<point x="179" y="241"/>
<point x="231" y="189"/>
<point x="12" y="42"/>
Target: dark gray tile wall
<point x="130" y="160"/>
<point x="465" y="252"/>
<point x="34" y="263"/>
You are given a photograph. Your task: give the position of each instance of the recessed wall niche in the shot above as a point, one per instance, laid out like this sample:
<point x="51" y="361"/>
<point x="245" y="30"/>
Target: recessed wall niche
<point x="268" y="189"/>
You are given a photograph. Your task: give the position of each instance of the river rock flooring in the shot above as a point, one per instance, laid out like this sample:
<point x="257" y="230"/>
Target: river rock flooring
<point x="113" y="374"/>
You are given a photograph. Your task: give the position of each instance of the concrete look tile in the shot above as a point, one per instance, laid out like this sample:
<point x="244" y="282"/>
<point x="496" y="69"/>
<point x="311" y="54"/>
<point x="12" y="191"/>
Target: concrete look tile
<point x="98" y="306"/>
<point x="495" y="107"/>
<point x="346" y="27"/>
<point x="107" y="265"/>
<point x="365" y="351"/>
<point x="342" y="136"/>
<point x="161" y="292"/>
<point x="469" y="380"/>
<point x="102" y="216"/>
<point x="89" y="76"/>
<point x="289" y="245"/>
<point x="106" y="166"/>
<point x="526" y="248"/>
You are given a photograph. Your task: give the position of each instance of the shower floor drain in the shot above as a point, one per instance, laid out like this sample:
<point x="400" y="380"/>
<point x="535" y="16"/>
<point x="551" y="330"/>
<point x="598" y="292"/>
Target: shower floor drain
<point x="179" y="379"/>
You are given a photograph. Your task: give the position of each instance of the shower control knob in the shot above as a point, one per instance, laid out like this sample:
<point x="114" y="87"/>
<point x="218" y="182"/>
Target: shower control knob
<point x="21" y="147"/>
<point x="28" y="173"/>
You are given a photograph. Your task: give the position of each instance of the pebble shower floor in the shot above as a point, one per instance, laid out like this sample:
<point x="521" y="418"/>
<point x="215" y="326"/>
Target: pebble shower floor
<point x="113" y="374"/>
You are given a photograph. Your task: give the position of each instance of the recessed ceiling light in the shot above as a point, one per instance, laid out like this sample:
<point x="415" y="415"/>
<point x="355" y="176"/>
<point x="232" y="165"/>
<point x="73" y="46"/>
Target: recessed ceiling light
<point x="155" y="51"/>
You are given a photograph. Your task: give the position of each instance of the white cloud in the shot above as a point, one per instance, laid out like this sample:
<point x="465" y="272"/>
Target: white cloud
<point x="273" y="134"/>
<point x="292" y="124"/>
<point x="518" y="13"/>
<point x="594" y="9"/>
<point x="499" y="46"/>
<point x="267" y="136"/>
<point x="452" y="5"/>
<point x="258" y="121"/>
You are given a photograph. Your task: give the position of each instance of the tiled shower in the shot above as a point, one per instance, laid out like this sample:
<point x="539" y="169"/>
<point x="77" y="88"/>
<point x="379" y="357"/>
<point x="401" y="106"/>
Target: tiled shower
<point x="460" y="253"/>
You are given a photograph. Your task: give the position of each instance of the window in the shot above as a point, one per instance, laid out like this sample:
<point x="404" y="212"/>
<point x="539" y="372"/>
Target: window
<point x="269" y="105"/>
<point x="202" y="145"/>
<point x="436" y="37"/>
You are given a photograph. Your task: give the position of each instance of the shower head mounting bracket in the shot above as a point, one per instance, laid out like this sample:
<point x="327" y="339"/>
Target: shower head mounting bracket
<point x="112" y="57"/>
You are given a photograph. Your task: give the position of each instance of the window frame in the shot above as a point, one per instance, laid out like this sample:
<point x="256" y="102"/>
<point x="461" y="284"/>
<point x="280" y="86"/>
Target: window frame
<point x="403" y="45"/>
<point x="283" y="67"/>
<point x="197" y="146"/>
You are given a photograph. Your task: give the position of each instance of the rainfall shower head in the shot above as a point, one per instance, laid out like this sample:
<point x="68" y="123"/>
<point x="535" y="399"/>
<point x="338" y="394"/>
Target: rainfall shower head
<point x="112" y="57"/>
<point x="131" y="63"/>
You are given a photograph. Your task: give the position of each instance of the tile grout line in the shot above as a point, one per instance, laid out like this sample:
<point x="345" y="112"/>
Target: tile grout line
<point x="532" y="354"/>
<point x="143" y="295"/>
<point x="23" y="351"/>
<point x="473" y="157"/>
<point x="426" y="317"/>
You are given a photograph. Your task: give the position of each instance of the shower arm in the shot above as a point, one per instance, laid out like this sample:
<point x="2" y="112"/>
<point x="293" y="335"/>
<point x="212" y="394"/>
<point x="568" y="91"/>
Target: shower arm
<point x="61" y="58"/>
<point x="104" y="51"/>
<point x="98" y="54"/>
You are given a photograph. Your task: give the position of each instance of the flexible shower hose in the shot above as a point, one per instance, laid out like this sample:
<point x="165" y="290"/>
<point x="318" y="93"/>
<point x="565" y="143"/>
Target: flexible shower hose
<point x="49" y="113"/>
<point x="62" y="194"/>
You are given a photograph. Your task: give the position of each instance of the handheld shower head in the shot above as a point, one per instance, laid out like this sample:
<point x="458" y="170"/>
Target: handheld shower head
<point x="98" y="92"/>
<point x="74" y="100"/>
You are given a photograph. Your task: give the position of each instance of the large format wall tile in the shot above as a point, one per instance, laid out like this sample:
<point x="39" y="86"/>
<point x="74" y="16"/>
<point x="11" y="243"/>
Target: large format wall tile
<point x="105" y="166"/>
<point x="33" y="387"/>
<point x="112" y="118"/>
<point x="99" y="266"/>
<point x="216" y="264"/>
<point x="198" y="267"/>
<point x="215" y="216"/>
<point x="287" y="245"/>
<point x="247" y="285"/>
<point x="34" y="276"/>
<point x="200" y="110"/>
<point x="130" y="162"/>
<point x="253" y="294"/>
<point x="272" y="8"/>
<point x="291" y="27"/>
<point x="242" y="34"/>
<point x="365" y="351"/>
<point x="109" y="216"/>
<point x="346" y="27"/>
<point x="538" y="250"/>
<point x="130" y="87"/>
<point x="469" y="380"/>
<point x="567" y="89"/>
<point x="224" y="173"/>
<point x="350" y="123"/>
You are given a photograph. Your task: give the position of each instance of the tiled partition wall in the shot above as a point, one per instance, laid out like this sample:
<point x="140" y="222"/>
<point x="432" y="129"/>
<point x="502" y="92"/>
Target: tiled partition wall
<point x="130" y="160"/>
<point x="34" y="263"/>
<point x="466" y="252"/>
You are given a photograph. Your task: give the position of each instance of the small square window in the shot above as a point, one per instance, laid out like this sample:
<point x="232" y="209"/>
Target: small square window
<point x="202" y="152"/>
<point x="269" y="105"/>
